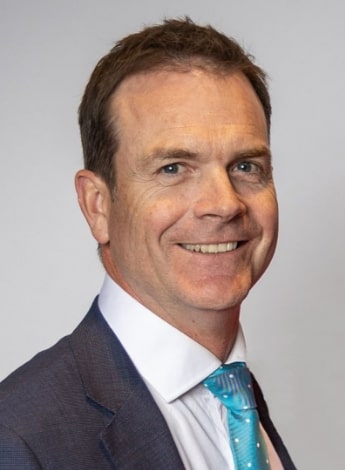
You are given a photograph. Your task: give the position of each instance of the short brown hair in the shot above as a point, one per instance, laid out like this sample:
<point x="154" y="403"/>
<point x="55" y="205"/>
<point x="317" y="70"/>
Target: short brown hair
<point x="176" y="43"/>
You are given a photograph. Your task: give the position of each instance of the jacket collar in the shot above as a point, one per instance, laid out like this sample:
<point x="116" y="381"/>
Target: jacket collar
<point x="135" y="434"/>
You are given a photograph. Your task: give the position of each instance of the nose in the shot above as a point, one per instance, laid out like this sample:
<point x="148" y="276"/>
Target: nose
<point x="217" y="197"/>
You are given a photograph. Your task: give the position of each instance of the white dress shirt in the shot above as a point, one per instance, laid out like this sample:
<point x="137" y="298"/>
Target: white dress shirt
<point x="173" y="366"/>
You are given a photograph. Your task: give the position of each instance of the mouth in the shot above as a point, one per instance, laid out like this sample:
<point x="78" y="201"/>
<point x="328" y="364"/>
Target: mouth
<point x="210" y="248"/>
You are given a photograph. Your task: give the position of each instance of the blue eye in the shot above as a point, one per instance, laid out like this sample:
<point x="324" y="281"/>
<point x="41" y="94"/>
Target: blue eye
<point x="171" y="169"/>
<point x="246" y="167"/>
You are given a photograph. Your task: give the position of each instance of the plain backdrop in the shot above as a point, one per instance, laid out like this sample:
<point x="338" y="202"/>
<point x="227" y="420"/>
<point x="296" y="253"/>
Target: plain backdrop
<point x="49" y="270"/>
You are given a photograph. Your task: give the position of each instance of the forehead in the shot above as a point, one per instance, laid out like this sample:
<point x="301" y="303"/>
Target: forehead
<point x="179" y="103"/>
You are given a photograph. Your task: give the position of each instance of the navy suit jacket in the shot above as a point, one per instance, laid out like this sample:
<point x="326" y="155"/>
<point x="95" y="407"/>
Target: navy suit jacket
<point x="82" y="405"/>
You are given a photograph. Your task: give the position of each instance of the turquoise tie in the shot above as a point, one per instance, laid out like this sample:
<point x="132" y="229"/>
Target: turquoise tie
<point x="232" y="385"/>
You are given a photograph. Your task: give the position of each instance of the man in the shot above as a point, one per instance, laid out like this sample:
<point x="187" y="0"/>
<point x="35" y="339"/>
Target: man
<point x="178" y="192"/>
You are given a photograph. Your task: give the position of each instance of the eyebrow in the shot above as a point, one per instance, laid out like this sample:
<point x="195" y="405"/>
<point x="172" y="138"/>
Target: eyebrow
<point x="260" y="151"/>
<point x="162" y="154"/>
<point x="170" y="154"/>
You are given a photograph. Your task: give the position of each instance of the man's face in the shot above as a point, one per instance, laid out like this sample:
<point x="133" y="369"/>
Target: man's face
<point x="193" y="222"/>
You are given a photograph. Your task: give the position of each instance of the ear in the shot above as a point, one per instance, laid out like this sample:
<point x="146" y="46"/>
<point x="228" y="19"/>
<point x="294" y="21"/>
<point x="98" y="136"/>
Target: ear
<point x="94" y="200"/>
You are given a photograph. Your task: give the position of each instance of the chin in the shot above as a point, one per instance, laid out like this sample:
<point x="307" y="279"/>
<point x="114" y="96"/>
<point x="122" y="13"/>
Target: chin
<point x="228" y="288"/>
<point x="220" y="301"/>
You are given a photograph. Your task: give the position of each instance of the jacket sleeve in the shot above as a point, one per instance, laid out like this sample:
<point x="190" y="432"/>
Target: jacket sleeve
<point x="15" y="453"/>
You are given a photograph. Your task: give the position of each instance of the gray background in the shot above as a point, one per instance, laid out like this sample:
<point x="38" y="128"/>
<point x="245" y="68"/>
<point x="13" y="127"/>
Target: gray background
<point x="49" y="270"/>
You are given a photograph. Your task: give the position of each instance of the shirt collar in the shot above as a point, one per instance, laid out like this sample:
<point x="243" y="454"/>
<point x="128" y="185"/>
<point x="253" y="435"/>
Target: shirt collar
<point x="170" y="361"/>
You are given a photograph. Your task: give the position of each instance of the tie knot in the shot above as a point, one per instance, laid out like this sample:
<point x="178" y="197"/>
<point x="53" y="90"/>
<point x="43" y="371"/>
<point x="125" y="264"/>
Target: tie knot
<point x="232" y="385"/>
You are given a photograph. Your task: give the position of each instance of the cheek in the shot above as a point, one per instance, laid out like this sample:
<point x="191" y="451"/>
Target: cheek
<point x="144" y="216"/>
<point x="162" y="213"/>
<point x="269" y="225"/>
<point x="271" y="218"/>
<point x="266" y="210"/>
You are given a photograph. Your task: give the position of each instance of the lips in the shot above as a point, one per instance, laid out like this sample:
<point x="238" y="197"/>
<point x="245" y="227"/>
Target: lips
<point x="210" y="248"/>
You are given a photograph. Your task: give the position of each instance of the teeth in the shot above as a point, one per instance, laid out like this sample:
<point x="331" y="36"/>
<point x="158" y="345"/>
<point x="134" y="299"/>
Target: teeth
<point x="211" y="248"/>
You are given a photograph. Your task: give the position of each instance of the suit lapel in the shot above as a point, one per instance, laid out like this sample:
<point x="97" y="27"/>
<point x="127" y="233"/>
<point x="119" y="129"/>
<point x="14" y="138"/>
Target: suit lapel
<point x="135" y="434"/>
<point x="139" y="438"/>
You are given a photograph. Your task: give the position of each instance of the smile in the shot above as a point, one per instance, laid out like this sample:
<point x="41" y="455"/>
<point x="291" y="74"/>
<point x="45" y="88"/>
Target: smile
<point x="212" y="248"/>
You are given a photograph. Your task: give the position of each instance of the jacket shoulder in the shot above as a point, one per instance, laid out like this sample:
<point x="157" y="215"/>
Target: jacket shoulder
<point x="38" y="383"/>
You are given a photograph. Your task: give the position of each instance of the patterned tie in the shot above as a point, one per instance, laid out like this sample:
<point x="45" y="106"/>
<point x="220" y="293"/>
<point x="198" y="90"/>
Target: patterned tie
<point x="232" y="385"/>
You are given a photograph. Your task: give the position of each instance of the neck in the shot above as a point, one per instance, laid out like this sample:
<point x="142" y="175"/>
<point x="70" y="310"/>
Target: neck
<point x="217" y="332"/>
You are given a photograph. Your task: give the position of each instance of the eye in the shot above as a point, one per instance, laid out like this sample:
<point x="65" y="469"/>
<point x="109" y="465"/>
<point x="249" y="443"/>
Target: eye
<point x="171" y="169"/>
<point x="251" y="171"/>
<point x="246" y="167"/>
